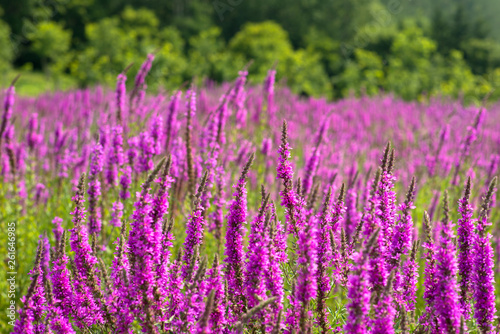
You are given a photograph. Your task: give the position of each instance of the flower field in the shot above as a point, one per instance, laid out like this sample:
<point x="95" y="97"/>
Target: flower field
<point x="247" y="209"/>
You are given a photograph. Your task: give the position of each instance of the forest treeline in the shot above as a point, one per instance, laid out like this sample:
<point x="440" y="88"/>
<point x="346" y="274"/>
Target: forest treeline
<point x="320" y="48"/>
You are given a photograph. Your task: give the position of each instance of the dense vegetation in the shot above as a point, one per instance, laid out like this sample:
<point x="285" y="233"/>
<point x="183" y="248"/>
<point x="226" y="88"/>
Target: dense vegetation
<point x="329" y="48"/>
<point x="247" y="209"/>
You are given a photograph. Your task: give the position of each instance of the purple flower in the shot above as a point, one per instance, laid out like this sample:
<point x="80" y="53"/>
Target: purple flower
<point x="94" y="191"/>
<point x="257" y="257"/>
<point x="359" y="295"/>
<point x="58" y="230"/>
<point x="446" y="301"/>
<point x="384" y="312"/>
<point x="121" y="94"/>
<point x="143" y="71"/>
<point x="324" y="256"/>
<point x="269" y="90"/>
<point x="239" y="97"/>
<point x="298" y="317"/>
<point x="7" y="110"/>
<point x="116" y="214"/>
<point x="407" y="287"/>
<point x="143" y="243"/>
<point x="484" y="276"/>
<point x="216" y="283"/>
<point x="87" y="307"/>
<point x="236" y="218"/>
<point x="403" y="231"/>
<point x="32" y="137"/>
<point x="274" y="273"/>
<point x="311" y="166"/>
<point x="61" y="282"/>
<point x="125" y="181"/>
<point x="172" y="123"/>
<point x="115" y="156"/>
<point x="31" y="316"/>
<point x="194" y="237"/>
<point x="147" y="150"/>
<point x="465" y="240"/>
<point x="386" y="211"/>
<point x="120" y="304"/>
<point x="156" y="133"/>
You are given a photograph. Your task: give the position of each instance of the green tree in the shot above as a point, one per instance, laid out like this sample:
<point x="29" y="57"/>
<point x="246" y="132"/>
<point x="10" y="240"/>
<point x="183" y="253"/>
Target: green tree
<point x="7" y="51"/>
<point x="365" y="74"/>
<point x="51" y="42"/>
<point x="264" y="43"/>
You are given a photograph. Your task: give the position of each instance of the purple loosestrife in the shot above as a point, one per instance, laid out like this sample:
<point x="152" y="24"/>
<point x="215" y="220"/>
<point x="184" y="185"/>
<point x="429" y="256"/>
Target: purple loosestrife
<point x="94" y="191"/>
<point x="484" y="276"/>
<point x="190" y="113"/>
<point x="352" y="216"/>
<point x="175" y="298"/>
<point x="45" y="264"/>
<point x="61" y="278"/>
<point x="143" y="243"/>
<point x="299" y="315"/>
<point x="428" y="319"/>
<point x="359" y="294"/>
<point x="125" y="182"/>
<point x="383" y="311"/>
<point x="470" y="138"/>
<point x="433" y="160"/>
<point x="120" y="95"/>
<point x="217" y="216"/>
<point x="115" y="156"/>
<point x="269" y="90"/>
<point x="210" y="165"/>
<point x="311" y="167"/>
<point x="257" y="256"/>
<point x="339" y="258"/>
<point x="446" y="300"/>
<point x="407" y="287"/>
<point x="143" y="71"/>
<point x="59" y="324"/>
<point x="7" y="109"/>
<point x="236" y="218"/>
<point x="160" y="200"/>
<point x="221" y="122"/>
<point x="33" y="138"/>
<point x="146" y="152"/>
<point x="120" y="304"/>
<point x="30" y="316"/>
<point x="166" y="245"/>
<point x="86" y="306"/>
<point x="377" y="266"/>
<point x="239" y="97"/>
<point x="203" y="326"/>
<point x="370" y="219"/>
<point x="216" y="284"/>
<point x="195" y="231"/>
<point x="156" y="133"/>
<point x="274" y="273"/>
<point x="116" y="214"/>
<point x="387" y="207"/>
<point x="172" y="124"/>
<point x="465" y="241"/>
<point x="133" y="154"/>
<point x="137" y="94"/>
<point x="401" y="240"/>
<point x="295" y="215"/>
<point x="324" y="256"/>
<point x="58" y="230"/>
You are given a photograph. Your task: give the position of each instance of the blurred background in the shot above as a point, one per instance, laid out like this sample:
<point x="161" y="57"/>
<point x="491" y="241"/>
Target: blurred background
<point x="413" y="49"/>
